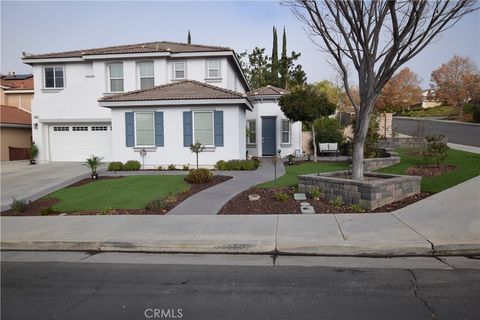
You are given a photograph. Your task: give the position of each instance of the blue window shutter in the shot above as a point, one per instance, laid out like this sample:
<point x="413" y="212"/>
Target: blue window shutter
<point x="187" y="129"/>
<point x="129" y="129"/>
<point x="159" y="129"/>
<point x="218" y="127"/>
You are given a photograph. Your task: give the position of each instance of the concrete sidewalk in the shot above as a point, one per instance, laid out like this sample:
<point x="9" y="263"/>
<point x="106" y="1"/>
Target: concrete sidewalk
<point x="211" y="200"/>
<point x="446" y="223"/>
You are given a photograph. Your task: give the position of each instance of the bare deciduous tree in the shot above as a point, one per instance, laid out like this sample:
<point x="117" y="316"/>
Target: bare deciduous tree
<point x="377" y="38"/>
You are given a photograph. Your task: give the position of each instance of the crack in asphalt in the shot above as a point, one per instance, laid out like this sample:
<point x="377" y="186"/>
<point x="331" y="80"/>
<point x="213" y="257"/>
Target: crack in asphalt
<point x="415" y="292"/>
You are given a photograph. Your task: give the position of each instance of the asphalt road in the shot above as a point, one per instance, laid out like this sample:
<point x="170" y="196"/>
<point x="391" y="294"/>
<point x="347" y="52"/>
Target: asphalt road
<point x="60" y="290"/>
<point x="456" y="132"/>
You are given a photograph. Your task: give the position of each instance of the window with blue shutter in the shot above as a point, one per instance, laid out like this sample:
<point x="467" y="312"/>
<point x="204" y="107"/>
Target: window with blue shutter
<point x="129" y="129"/>
<point x="218" y="122"/>
<point x="187" y="129"/>
<point x="159" y="132"/>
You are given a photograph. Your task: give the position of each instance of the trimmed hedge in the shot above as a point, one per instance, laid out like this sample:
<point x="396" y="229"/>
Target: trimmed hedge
<point x="115" y="166"/>
<point x="199" y="176"/>
<point x="132" y="165"/>
<point x="232" y="165"/>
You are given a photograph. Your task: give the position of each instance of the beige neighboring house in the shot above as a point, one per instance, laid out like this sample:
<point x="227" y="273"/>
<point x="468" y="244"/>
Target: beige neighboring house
<point x="428" y="101"/>
<point x="15" y="133"/>
<point x="16" y="90"/>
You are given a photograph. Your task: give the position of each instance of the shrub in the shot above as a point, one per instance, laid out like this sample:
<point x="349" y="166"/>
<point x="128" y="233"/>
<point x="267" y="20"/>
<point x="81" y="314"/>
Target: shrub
<point x="186" y="167"/>
<point x="33" y="151"/>
<point x="337" y="202"/>
<point x="106" y="210"/>
<point x="476" y="114"/>
<point x="93" y="163"/>
<point x="199" y="176"/>
<point x="132" y="165"/>
<point x="281" y="196"/>
<point x="160" y="168"/>
<point x="316" y="193"/>
<point x="115" y="166"/>
<point x="328" y="130"/>
<point x="48" y="211"/>
<point x="356" y="208"/>
<point x="231" y="165"/>
<point x="171" y="167"/>
<point x="171" y="198"/>
<point x="18" y="205"/>
<point x="436" y="150"/>
<point x="156" y="205"/>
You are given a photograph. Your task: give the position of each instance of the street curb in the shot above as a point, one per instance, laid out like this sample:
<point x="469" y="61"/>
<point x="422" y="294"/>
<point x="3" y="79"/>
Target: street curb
<point x="439" y="120"/>
<point x="209" y="247"/>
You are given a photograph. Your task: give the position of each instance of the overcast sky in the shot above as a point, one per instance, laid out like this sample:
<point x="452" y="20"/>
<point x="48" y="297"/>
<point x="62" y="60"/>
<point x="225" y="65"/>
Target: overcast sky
<point x="40" y="27"/>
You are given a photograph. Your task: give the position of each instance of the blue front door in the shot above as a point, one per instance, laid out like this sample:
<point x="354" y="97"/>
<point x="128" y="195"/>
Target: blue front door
<point x="269" y="136"/>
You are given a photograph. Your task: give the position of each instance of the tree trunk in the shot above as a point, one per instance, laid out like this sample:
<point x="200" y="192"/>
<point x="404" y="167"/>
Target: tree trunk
<point x="359" y="135"/>
<point x="314" y="142"/>
<point x="197" y="160"/>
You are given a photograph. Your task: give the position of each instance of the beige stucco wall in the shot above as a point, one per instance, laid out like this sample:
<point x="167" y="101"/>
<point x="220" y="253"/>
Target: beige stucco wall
<point x="14" y="137"/>
<point x="19" y="100"/>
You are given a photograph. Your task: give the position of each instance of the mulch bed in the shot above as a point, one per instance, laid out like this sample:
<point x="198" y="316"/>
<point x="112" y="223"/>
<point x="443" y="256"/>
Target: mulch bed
<point x="34" y="208"/>
<point x="268" y="205"/>
<point x="430" y="170"/>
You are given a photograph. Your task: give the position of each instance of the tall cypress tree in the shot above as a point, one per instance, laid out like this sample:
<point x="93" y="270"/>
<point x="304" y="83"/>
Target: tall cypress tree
<point x="189" y="38"/>
<point x="274" y="80"/>
<point x="283" y="68"/>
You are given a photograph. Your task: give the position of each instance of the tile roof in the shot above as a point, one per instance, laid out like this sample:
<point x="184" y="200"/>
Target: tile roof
<point x="181" y="90"/>
<point x="14" y="115"/>
<point x="17" y="81"/>
<point x="268" y="91"/>
<point x="16" y="76"/>
<point x="147" y="47"/>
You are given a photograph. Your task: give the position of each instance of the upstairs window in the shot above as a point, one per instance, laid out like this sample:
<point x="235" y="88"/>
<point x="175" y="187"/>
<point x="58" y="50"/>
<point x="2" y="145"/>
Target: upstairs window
<point x="179" y="70"/>
<point x="285" y="131"/>
<point x="115" y="77"/>
<point x="146" y="75"/>
<point x="54" y="77"/>
<point x="213" y="69"/>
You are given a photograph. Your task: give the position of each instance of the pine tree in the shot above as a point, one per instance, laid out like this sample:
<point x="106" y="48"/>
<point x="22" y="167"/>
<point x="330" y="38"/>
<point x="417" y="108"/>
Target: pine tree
<point x="283" y="68"/>
<point x="189" y="38"/>
<point x="274" y="79"/>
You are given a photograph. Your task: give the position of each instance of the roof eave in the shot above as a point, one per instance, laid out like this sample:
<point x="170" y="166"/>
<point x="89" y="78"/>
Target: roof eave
<point x="174" y="103"/>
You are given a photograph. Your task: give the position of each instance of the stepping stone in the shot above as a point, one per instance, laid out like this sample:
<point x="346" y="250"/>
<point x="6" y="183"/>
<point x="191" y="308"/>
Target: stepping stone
<point x="299" y="196"/>
<point x="303" y="204"/>
<point x="307" y="209"/>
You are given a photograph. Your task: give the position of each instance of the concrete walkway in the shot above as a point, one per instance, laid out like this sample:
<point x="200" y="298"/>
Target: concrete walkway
<point x="446" y="223"/>
<point x="21" y="180"/>
<point x="211" y="200"/>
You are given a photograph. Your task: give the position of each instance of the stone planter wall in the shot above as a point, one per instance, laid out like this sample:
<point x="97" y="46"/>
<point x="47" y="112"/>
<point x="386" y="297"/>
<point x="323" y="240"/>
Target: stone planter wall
<point x="378" y="163"/>
<point x="404" y="142"/>
<point x="369" y="195"/>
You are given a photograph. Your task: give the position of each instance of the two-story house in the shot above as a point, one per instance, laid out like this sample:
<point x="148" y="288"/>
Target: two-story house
<point x="146" y="102"/>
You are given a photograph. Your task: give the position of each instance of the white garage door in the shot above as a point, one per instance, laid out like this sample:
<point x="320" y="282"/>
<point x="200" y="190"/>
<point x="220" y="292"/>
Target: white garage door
<point x="77" y="142"/>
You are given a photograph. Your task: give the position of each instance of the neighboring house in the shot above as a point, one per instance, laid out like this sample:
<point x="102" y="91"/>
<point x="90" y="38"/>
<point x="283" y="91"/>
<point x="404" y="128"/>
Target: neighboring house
<point x="116" y="101"/>
<point x="268" y="130"/>
<point x="17" y="90"/>
<point x="15" y="133"/>
<point x="428" y="100"/>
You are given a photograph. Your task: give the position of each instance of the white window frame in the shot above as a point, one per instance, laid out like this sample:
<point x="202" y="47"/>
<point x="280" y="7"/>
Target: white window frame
<point x="139" y="76"/>
<point x="109" y="78"/>
<point x="213" y="127"/>
<point x="219" y="69"/>
<point x="289" y="132"/>
<point x="249" y="142"/>
<point x="174" y="75"/>
<point x="135" y="127"/>
<point x="54" y="78"/>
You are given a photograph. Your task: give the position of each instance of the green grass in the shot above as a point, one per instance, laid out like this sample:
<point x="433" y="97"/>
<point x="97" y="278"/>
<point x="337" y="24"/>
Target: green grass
<point x="129" y="193"/>
<point x="468" y="166"/>
<point x="290" y="177"/>
<point x="440" y="111"/>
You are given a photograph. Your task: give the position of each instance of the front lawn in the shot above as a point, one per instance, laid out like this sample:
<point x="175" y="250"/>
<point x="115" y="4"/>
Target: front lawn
<point x="129" y="193"/>
<point x="468" y="166"/>
<point x="292" y="171"/>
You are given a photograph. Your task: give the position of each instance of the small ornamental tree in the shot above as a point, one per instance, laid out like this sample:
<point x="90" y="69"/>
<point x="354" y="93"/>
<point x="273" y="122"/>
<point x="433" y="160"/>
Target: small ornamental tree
<point x="197" y="148"/>
<point x="306" y="104"/>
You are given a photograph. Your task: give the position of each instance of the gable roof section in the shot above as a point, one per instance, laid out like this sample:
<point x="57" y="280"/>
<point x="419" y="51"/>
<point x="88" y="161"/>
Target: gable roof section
<point x="147" y="47"/>
<point x="186" y="90"/>
<point x="14" y="115"/>
<point x="267" y="91"/>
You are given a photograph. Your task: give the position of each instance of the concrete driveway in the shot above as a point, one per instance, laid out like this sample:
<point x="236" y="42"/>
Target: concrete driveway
<point x="21" y="180"/>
